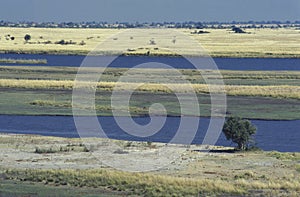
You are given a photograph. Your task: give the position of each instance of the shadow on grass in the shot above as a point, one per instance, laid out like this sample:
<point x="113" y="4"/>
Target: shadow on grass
<point x="218" y="151"/>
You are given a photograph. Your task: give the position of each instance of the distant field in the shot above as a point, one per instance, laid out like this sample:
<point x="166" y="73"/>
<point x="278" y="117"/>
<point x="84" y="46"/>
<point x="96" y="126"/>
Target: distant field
<point x="218" y="43"/>
<point x="258" y="43"/>
<point x="38" y="166"/>
<point x="41" y="36"/>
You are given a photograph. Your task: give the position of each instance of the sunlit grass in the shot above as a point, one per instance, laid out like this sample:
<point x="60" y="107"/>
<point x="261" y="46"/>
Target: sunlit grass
<point x="91" y="37"/>
<point x="23" y="61"/>
<point x="282" y="42"/>
<point x="257" y="43"/>
<point x="153" y="185"/>
<point x="282" y="91"/>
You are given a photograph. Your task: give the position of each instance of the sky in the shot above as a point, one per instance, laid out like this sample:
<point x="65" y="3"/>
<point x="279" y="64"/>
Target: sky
<point x="149" y="10"/>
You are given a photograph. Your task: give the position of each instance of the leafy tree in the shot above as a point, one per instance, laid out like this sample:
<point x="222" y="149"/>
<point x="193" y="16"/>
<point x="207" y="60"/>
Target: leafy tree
<point x="27" y="37"/>
<point x="240" y="131"/>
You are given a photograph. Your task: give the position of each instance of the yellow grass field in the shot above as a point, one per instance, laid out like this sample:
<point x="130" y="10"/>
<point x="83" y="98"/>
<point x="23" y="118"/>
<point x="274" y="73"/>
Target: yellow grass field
<point x="284" y="42"/>
<point x="258" y="43"/>
<point x="91" y="37"/>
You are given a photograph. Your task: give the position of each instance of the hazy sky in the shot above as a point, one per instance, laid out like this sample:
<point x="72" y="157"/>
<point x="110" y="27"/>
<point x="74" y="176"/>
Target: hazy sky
<point x="149" y="10"/>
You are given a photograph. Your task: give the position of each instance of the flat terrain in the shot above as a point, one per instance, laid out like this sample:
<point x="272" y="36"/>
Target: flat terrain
<point x="220" y="171"/>
<point x="250" y="94"/>
<point x="283" y="42"/>
<point x="38" y="166"/>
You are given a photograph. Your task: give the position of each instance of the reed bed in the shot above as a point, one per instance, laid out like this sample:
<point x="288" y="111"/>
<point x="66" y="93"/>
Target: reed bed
<point x="270" y="78"/>
<point x="281" y="91"/>
<point x="23" y="61"/>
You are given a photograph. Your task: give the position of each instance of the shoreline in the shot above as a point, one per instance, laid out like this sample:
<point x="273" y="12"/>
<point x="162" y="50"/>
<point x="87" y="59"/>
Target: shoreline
<point x="201" y="148"/>
<point x="233" y="56"/>
<point x="145" y="116"/>
<point x="53" y="161"/>
<point x="204" y="147"/>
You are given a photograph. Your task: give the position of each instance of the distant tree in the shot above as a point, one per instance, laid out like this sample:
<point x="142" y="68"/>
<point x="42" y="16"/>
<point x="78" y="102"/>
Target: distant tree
<point x="240" y="131"/>
<point x="27" y="37"/>
<point x="62" y="42"/>
<point x="82" y="43"/>
<point x="238" y="30"/>
<point x="200" y="32"/>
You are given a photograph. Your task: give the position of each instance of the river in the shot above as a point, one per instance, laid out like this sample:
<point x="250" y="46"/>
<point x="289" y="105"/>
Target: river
<point x="271" y="135"/>
<point x="176" y="62"/>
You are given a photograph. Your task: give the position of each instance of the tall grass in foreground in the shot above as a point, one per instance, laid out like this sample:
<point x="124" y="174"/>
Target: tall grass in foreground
<point x="152" y="185"/>
<point x="280" y="91"/>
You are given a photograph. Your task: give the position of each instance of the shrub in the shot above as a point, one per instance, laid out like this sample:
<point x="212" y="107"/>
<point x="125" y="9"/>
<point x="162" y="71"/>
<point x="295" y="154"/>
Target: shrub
<point x="239" y="131"/>
<point x="44" y="150"/>
<point x="238" y="30"/>
<point x="27" y="37"/>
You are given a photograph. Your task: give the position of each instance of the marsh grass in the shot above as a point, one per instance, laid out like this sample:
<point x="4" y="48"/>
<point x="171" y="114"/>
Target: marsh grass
<point x="193" y="76"/>
<point x="153" y="185"/>
<point x="23" y="61"/>
<point x="281" y="91"/>
<point x="43" y="90"/>
<point x="50" y="103"/>
<point x="98" y="108"/>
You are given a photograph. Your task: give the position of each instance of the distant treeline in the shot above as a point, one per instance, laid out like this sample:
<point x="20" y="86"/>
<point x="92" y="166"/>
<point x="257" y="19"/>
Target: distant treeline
<point x="189" y="24"/>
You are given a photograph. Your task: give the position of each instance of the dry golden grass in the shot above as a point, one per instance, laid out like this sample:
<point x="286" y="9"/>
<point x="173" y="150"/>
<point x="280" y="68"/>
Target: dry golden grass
<point x="218" y="43"/>
<point x="36" y="84"/>
<point x="92" y="37"/>
<point x="155" y="185"/>
<point x="23" y="61"/>
<point x="259" y="43"/>
<point x="283" y="91"/>
<point x="137" y="183"/>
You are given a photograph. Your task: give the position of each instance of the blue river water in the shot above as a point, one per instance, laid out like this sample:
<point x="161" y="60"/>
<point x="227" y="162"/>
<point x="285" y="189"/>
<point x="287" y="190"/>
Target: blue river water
<point x="175" y="62"/>
<point x="271" y="135"/>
